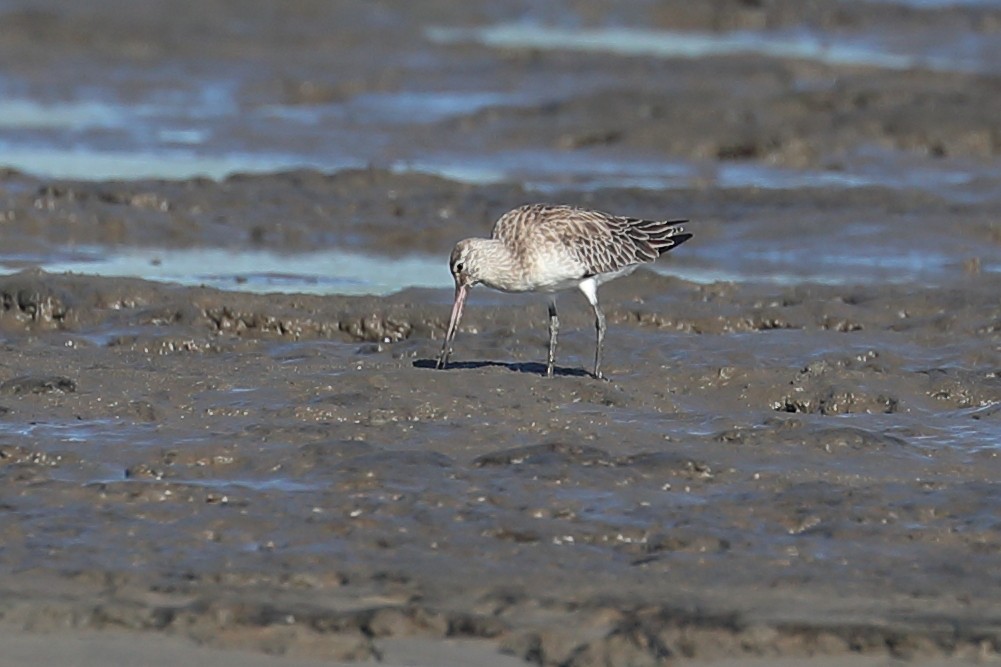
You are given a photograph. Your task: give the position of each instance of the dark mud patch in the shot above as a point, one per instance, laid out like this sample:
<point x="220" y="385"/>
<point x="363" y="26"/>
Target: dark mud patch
<point x="28" y="384"/>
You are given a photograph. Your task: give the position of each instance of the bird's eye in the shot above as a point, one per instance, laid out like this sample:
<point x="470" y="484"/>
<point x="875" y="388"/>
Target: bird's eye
<point x="458" y="267"/>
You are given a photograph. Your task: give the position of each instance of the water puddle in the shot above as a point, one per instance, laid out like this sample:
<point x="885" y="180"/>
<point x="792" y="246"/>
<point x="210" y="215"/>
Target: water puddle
<point x="78" y="115"/>
<point x="743" y="258"/>
<point x="405" y="107"/>
<point x="194" y="135"/>
<point x="550" y="171"/>
<point x="870" y="254"/>
<point x="187" y="136"/>
<point x="324" y="272"/>
<point x="852" y="50"/>
<point x="539" y="170"/>
<point x="94" y="164"/>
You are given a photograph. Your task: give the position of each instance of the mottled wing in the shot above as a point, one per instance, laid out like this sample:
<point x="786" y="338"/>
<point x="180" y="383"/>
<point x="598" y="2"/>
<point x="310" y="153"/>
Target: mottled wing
<point x="599" y="242"/>
<point x="517" y="226"/>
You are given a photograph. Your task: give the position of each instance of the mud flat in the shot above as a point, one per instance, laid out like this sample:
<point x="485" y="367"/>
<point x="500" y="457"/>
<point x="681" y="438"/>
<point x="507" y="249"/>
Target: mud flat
<point x="771" y="471"/>
<point x="796" y="456"/>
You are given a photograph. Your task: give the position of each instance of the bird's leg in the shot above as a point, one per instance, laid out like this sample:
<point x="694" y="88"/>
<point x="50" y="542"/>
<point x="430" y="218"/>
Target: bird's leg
<point x="554" y="329"/>
<point x="590" y="289"/>
<point x="599" y="325"/>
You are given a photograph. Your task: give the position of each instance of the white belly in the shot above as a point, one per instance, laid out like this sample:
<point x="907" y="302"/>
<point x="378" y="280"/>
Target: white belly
<point x="554" y="280"/>
<point x="602" y="278"/>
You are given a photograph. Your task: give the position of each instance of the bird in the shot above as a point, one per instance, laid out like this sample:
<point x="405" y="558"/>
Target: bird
<point x="553" y="247"/>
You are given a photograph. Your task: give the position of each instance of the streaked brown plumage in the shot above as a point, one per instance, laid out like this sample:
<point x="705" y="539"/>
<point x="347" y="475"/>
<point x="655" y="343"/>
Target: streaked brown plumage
<point x="549" y="248"/>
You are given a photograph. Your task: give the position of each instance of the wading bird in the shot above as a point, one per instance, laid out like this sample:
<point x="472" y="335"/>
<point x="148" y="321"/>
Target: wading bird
<point x="550" y="248"/>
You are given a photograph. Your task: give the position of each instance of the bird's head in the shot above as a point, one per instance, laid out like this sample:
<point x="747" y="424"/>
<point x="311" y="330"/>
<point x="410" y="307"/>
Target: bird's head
<point x="464" y="263"/>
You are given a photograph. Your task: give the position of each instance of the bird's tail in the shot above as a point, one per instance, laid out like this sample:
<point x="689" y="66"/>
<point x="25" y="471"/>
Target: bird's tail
<point x="662" y="235"/>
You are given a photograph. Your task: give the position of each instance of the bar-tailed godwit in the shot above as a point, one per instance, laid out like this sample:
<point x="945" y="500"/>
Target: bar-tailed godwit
<point x="548" y="248"/>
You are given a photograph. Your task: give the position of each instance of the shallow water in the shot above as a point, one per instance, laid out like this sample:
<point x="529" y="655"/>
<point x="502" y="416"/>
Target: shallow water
<point x="871" y="257"/>
<point x="323" y="272"/>
<point x="832" y="49"/>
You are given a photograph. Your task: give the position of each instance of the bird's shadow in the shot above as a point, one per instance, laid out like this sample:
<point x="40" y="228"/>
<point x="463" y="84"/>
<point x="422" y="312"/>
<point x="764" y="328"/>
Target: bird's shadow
<point x="533" y="367"/>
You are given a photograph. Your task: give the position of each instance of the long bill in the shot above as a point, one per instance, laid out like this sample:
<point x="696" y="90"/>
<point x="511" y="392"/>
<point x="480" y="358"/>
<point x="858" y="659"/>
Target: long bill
<point x="453" y="324"/>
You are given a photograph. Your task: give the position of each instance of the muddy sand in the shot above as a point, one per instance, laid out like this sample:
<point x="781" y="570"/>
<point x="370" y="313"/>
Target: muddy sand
<point x="770" y="470"/>
<point x="796" y="454"/>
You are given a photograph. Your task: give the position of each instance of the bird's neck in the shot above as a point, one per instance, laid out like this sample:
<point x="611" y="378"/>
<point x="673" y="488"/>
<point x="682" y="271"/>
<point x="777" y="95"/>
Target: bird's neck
<point x="497" y="266"/>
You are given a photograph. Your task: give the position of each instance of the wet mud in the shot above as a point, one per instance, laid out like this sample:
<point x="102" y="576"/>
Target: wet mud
<point x="796" y="453"/>
<point x="769" y="471"/>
